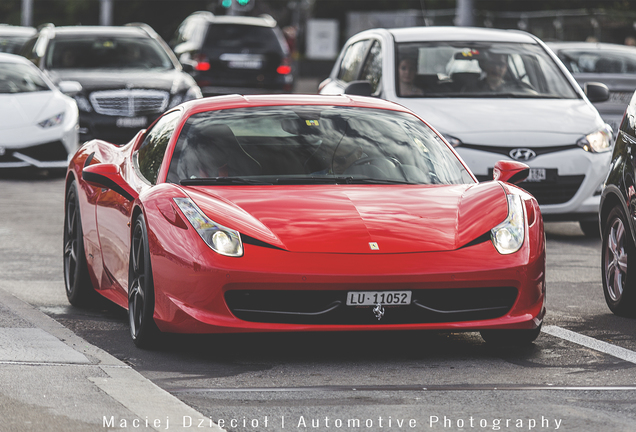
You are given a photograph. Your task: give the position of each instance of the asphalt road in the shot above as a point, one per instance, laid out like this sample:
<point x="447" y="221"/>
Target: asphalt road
<point x="580" y="375"/>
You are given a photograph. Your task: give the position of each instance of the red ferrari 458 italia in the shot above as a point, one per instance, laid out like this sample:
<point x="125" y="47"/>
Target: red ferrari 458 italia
<point x="301" y="213"/>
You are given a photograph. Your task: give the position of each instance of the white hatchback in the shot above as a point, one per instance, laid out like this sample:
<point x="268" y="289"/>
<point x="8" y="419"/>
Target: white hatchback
<point x="493" y="94"/>
<point x="38" y="123"/>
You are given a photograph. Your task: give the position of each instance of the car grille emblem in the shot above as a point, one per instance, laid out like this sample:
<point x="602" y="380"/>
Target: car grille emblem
<point x="378" y="310"/>
<point x="522" y="154"/>
<point x="374" y="246"/>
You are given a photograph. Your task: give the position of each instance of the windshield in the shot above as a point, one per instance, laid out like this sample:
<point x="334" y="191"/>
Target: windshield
<point x="478" y="69"/>
<point x="107" y="53"/>
<point x="12" y="44"/>
<point x="20" y="78"/>
<point x="582" y="61"/>
<point x="311" y="145"/>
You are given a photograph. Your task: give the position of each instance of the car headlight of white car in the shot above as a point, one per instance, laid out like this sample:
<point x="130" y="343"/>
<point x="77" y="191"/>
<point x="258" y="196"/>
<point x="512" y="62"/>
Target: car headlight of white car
<point x="52" y="121"/>
<point x="222" y="240"/>
<point x="508" y="236"/>
<point x="597" y="142"/>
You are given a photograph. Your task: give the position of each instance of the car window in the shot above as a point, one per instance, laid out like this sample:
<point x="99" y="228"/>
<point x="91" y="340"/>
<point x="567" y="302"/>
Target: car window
<point x="372" y="68"/>
<point x="237" y="38"/>
<point x="479" y="69"/>
<point x="12" y="44"/>
<point x="308" y="145"/>
<point x="351" y="60"/>
<point x="150" y="154"/>
<point x="97" y="52"/>
<point x="20" y="78"/>
<point x="600" y="61"/>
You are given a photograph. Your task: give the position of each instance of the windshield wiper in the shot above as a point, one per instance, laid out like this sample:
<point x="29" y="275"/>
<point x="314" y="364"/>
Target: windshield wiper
<point x="206" y="181"/>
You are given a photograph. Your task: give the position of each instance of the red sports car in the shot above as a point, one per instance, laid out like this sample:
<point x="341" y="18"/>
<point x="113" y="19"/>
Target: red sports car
<point x="301" y="213"/>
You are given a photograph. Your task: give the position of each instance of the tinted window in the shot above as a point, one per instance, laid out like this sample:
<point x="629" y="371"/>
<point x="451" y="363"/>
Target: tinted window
<point x="95" y="52"/>
<point x="20" y="78"/>
<point x="237" y="38"/>
<point x="152" y="150"/>
<point x="12" y="44"/>
<point x="309" y="145"/>
<point x="479" y="69"/>
<point x="351" y="61"/>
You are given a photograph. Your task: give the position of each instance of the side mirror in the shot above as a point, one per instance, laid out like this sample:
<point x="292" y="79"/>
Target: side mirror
<point x="596" y="92"/>
<point x="510" y="171"/>
<point x="109" y="176"/>
<point x="359" y="88"/>
<point x="70" y="88"/>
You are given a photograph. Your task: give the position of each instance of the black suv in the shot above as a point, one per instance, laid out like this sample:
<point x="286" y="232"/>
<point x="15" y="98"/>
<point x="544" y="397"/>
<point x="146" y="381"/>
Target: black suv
<point x="234" y="54"/>
<point x="617" y="214"/>
<point x="122" y="78"/>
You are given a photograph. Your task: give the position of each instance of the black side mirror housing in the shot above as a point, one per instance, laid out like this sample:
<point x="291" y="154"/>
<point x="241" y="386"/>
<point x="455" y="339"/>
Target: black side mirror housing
<point x="596" y="92"/>
<point x="359" y="88"/>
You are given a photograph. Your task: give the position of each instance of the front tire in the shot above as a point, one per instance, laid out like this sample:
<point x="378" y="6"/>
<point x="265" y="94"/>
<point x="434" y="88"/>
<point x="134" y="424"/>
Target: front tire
<point x="510" y="337"/>
<point x="618" y="256"/>
<point x="79" y="288"/>
<point x="141" y="295"/>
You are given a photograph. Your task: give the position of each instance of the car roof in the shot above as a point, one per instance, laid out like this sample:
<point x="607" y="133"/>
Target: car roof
<point x="100" y="30"/>
<point x="246" y="101"/>
<point x="415" y="34"/>
<point x="262" y="21"/>
<point x="9" y="30"/>
<point x="591" y="46"/>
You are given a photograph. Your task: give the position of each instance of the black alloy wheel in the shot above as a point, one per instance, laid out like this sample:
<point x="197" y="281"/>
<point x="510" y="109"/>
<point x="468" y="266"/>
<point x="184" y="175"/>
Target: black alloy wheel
<point x="79" y="288"/>
<point x="618" y="255"/>
<point x="510" y="337"/>
<point x="141" y="299"/>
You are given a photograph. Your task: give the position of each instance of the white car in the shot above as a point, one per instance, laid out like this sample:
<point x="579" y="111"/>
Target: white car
<point x="492" y="94"/>
<point x="38" y="123"/>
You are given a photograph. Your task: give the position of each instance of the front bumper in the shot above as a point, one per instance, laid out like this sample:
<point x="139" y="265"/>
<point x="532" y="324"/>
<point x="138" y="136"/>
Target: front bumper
<point x="39" y="148"/>
<point x="574" y="194"/>
<point x="468" y="289"/>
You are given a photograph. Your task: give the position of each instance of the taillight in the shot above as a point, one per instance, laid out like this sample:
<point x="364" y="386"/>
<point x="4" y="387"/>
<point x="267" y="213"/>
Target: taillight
<point x="285" y="67"/>
<point x="203" y="63"/>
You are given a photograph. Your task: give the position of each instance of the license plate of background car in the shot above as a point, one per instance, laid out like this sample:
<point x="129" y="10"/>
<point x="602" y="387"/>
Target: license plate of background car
<point x="372" y="298"/>
<point x="536" y="175"/>
<point x="131" y="122"/>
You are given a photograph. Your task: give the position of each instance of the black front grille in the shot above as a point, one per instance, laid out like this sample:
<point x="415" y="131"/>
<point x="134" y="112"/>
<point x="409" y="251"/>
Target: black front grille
<point x="555" y="189"/>
<point x="329" y="307"/>
<point x="49" y="152"/>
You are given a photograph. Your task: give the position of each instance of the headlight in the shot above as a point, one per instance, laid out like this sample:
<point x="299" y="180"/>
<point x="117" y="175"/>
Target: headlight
<point x="597" y="142"/>
<point x="507" y="237"/>
<point x="190" y="94"/>
<point x="222" y="240"/>
<point x="53" y="121"/>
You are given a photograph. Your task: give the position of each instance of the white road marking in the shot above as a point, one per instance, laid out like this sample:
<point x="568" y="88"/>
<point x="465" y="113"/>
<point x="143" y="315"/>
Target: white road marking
<point x="595" y="344"/>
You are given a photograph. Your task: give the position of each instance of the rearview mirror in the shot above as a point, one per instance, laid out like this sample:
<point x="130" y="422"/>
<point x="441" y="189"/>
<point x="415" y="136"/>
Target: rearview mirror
<point x="596" y="92"/>
<point x="359" y="88"/>
<point x="109" y="176"/>
<point x="510" y="171"/>
<point x="70" y="88"/>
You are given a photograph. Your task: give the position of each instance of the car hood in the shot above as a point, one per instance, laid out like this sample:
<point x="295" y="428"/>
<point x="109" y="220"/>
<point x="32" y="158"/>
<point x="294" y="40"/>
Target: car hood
<point x="509" y="122"/>
<point x="24" y="109"/>
<point x="106" y="79"/>
<point x="345" y="219"/>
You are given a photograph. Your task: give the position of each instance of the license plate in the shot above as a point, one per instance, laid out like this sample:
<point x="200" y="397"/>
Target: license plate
<point x="372" y="298"/>
<point x="253" y="64"/>
<point x="536" y="175"/>
<point x="132" y="122"/>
